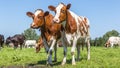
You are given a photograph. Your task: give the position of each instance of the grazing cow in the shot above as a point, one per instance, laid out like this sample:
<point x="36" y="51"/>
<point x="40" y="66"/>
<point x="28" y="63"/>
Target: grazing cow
<point x="1" y="40"/>
<point x="17" y="39"/>
<point x="50" y="32"/>
<point x="75" y="27"/>
<point x="112" y="41"/>
<point x="9" y="42"/>
<point x="30" y="43"/>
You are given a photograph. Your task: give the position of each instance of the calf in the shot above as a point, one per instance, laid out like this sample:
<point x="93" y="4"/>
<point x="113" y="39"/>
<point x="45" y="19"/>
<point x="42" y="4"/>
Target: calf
<point x="1" y="40"/>
<point x="112" y="41"/>
<point x="50" y="33"/>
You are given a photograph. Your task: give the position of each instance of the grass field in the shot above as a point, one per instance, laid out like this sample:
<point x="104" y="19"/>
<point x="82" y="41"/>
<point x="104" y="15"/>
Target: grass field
<point x="100" y="58"/>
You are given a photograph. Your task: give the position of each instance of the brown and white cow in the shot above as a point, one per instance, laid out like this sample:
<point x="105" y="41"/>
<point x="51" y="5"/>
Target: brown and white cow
<point x="76" y="27"/>
<point x="49" y="31"/>
<point x="112" y="41"/>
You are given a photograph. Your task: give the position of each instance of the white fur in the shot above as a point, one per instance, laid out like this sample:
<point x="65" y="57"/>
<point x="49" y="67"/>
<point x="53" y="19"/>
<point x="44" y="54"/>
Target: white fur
<point x="56" y="18"/>
<point x="37" y="12"/>
<point x="30" y="42"/>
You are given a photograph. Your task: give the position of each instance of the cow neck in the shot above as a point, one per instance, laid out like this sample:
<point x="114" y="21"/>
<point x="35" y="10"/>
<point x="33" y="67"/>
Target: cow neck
<point x="71" y="25"/>
<point x="67" y="27"/>
<point x="43" y="29"/>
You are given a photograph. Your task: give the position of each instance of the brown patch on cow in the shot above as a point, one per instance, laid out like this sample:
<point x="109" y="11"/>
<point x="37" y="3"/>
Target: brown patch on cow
<point x="71" y="25"/>
<point x="84" y="27"/>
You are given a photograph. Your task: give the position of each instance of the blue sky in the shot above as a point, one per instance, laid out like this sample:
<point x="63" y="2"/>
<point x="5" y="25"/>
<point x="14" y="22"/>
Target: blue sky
<point x="104" y="15"/>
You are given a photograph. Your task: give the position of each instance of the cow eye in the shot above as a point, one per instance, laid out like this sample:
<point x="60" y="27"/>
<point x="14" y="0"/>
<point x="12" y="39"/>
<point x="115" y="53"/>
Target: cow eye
<point x="40" y="17"/>
<point x="63" y="11"/>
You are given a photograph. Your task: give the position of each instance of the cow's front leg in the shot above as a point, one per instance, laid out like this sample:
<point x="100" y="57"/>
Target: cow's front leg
<point x="45" y="44"/>
<point x="64" y="43"/>
<point x="49" y="61"/>
<point x="73" y="51"/>
<point x="55" y="53"/>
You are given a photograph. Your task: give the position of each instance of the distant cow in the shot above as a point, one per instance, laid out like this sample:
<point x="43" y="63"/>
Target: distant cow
<point x="17" y="39"/>
<point x="8" y="42"/>
<point x="112" y="41"/>
<point x="1" y="40"/>
<point x="30" y="43"/>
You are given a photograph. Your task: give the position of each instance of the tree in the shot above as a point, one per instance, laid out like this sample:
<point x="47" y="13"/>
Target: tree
<point x="30" y="34"/>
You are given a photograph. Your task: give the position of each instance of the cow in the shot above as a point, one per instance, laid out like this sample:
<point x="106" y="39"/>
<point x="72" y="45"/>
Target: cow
<point x="8" y="42"/>
<point x="75" y="27"/>
<point x="1" y="40"/>
<point x="17" y="40"/>
<point x="30" y="43"/>
<point x="113" y="40"/>
<point x="50" y="32"/>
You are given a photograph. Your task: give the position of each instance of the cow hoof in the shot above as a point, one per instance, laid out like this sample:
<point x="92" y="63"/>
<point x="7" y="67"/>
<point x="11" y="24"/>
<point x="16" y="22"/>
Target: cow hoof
<point x="49" y="64"/>
<point x="73" y="63"/>
<point x="62" y="63"/>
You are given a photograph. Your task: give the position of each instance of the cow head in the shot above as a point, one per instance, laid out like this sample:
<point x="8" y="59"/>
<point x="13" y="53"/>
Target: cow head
<point x="107" y="44"/>
<point x="8" y="40"/>
<point x="39" y="45"/>
<point x="60" y="12"/>
<point x="38" y="18"/>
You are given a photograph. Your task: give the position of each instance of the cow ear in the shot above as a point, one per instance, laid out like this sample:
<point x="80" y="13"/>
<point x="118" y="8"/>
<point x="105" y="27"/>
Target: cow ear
<point x="30" y="14"/>
<point x="46" y="13"/>
<point x="68" y="6"/>
<point x="52" y="8"/>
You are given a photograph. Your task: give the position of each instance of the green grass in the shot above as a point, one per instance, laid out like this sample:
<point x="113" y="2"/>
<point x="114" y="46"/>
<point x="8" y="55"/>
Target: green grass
<point x="100" y="58"/>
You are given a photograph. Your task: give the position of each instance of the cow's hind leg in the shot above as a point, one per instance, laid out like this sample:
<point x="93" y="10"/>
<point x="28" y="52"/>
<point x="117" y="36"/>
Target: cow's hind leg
<point x="88" y="49"/>
<point x="78" y="52"/>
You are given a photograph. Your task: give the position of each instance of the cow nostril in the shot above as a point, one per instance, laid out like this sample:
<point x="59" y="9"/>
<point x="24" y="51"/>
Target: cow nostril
<point x="55" y="20"/>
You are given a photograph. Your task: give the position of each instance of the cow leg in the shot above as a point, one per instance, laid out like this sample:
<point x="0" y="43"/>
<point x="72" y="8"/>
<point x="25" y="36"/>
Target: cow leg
<point x="0" y="46"/>
<point x="45" y="44"/>
<point x="20" y="46"/>
<point x="55" y="54"/>
<point x="78" y="52"/>
<point x="65" y="47"/>
<point x="111" y="45"/>
<point x="73" y="51"/>
<point x="15" y="47"/>
<point x="88" y="49"/>
<point x="49" y="61"/>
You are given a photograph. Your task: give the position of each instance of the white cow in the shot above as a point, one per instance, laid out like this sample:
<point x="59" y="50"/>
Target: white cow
<point x="30" y="43"/>
<point x="112" y="40"/>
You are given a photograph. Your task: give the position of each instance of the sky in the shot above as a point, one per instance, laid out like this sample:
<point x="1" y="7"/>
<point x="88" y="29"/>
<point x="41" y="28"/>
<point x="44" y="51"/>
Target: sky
<point x="104" y="15"/>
